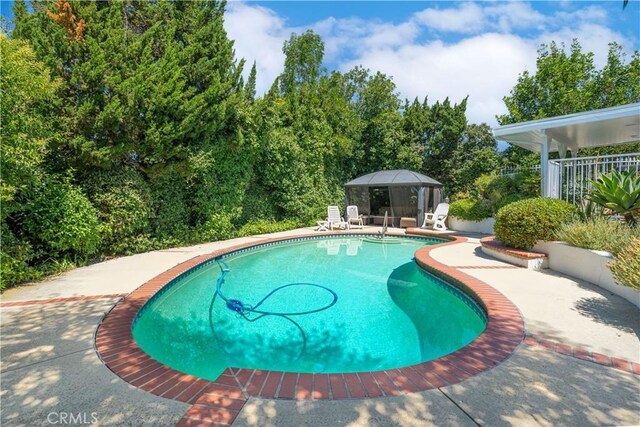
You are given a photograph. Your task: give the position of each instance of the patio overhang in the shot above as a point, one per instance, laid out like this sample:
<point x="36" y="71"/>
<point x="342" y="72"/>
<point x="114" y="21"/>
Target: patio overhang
<point x="596" y="128"/>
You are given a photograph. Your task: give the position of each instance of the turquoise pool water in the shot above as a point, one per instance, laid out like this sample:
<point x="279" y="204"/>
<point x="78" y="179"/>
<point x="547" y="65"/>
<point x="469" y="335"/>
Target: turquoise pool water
<point x="388" y="314"/>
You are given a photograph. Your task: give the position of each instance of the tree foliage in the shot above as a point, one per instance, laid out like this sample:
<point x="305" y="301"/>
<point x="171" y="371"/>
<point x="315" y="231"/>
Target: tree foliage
<point x="136" y="114"/>
<point x="567" y="81"/>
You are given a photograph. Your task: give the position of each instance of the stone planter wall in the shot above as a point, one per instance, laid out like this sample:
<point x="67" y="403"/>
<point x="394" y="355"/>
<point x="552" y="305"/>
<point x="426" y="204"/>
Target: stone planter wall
<point x="485" y="226"/>
<point x="586" y="264"/>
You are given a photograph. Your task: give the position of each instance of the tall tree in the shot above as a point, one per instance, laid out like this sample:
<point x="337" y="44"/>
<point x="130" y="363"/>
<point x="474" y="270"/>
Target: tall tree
<point x="445" y="132"/>
<point x="250" y="87"/>
<point x="152" y="86"/>
<point x="26" y="119"/>
<point x="568" y="82"/>
<point x="302" y="64"/>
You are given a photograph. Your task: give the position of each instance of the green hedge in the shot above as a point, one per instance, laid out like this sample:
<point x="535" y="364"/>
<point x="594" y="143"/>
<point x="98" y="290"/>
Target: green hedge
<point x="471" y="209"/>
<point x="123" y="199"/>
<point x="599" y="233"/>
<point x="521" y="224"/>
<point x="58" y="218"/>
<point x="626" y="266"/>
<point x="507" y="200"/>
<point x="262" y="226"/>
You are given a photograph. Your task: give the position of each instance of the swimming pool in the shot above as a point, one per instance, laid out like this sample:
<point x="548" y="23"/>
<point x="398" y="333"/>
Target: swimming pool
<point x="388" y="313"/>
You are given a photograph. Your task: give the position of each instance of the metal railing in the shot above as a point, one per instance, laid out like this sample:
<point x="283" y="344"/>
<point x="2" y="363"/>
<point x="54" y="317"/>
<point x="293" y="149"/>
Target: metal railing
<point x="513" y="171"/>
<point x="570" y="179"/>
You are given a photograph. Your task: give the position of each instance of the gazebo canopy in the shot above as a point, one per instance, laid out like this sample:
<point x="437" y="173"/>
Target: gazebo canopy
<point x="400" y="193"/>
<point x="399" y="177"/>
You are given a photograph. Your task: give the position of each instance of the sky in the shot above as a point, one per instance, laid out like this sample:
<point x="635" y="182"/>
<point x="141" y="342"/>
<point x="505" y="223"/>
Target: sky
<point x="436" y="49"/>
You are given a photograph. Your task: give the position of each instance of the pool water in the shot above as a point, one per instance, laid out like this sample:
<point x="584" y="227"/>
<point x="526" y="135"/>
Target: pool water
<point x="389" y="313"/>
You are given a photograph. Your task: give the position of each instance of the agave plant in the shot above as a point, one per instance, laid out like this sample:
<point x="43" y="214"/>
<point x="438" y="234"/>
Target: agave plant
<point x="588" y="210"/>
<point x="620" y="192"/>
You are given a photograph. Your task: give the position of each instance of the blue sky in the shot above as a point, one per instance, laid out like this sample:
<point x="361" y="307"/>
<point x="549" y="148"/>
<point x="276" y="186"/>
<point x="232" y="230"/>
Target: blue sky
<point x="435" y="49"/>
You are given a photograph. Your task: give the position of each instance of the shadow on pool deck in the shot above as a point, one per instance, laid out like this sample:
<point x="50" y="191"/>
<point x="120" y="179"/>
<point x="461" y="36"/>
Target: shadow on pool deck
<point x="49" y="366"/>
<point x="607" y="308"/>
<point x="534" y="387"/>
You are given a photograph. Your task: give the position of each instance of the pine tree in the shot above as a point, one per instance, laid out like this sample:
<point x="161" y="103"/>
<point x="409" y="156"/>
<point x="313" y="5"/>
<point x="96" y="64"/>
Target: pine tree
<point x="250" y="87"/>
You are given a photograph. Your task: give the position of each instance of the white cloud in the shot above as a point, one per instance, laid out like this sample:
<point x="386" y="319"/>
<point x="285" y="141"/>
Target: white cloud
<point x="592" y="38"/>
<point x="484" y="63"/>
<point x="509" y="16"/>
<point x="586" y="14"/>
<point x="472" y="18"/>
<point x="467" y="18"/>
<point x="484" y="67"/>
<point x="258" y="34"/>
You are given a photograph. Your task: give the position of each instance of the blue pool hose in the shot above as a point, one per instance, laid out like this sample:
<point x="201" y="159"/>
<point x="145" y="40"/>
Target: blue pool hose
<point x="243" y="309"/>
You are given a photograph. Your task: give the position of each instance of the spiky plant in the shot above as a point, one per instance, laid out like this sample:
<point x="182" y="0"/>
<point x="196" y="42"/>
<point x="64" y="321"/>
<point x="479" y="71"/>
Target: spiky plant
<point x="620" y="192"/>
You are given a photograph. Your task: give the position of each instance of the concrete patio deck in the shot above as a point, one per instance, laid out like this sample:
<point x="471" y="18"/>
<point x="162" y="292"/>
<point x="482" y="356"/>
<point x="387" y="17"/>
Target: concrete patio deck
<point x="49" y="367"/>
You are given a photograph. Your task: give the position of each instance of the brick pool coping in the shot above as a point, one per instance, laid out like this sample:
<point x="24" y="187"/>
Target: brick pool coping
<point x="220" y="401"/>
<point x="491" y="243"/>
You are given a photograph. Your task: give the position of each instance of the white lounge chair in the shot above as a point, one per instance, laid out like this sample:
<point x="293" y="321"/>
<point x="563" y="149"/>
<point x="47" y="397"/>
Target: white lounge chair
<point x="333" y="220"/>
<point x="353" y="217"/>
<point x="437" y="218"/>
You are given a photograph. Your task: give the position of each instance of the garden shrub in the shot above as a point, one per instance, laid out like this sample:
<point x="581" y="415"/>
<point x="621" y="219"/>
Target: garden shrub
<point x="219" y="226"/>
<point x="626" y="266"/>
<point x="598" y="233"/>
<point x="521" y="224"/>
<point x="527" y="184"/>
<point x="123" y="199"/>
<point x="60" y="218"/>
<point x="14" y="259"/>
<point x="171" y="212"/>
<point x="494" y="187"/>
<point x="506" y="200"/>
<point x="470" y="209"/>
<point x="263" y="226"/>
<point x="257" y="204"/>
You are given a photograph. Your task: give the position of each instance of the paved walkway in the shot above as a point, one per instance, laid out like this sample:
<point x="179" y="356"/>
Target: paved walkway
<point x="50" y="372"/>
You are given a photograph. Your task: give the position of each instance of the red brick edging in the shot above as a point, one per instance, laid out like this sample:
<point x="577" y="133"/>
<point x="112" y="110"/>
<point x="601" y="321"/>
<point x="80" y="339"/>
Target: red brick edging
<point x="58" y="300"/>
<point x="491" y="243"/>
<point x="221" y="400"/>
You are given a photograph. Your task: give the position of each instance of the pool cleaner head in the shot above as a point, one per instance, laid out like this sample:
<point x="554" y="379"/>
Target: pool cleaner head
<point x="235" y="305"/>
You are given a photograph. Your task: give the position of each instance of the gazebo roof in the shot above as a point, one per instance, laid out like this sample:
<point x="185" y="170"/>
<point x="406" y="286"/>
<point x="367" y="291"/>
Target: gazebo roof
<point x="398" y="178"/>
<point x="596" y="128"/>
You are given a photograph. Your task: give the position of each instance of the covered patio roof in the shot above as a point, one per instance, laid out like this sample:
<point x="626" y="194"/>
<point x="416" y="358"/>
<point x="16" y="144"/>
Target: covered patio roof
<point x="596" y="128"/>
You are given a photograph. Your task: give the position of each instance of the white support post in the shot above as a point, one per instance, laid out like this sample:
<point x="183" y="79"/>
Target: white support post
<point x="544" y="164"/>
<point x="562" y="150"/>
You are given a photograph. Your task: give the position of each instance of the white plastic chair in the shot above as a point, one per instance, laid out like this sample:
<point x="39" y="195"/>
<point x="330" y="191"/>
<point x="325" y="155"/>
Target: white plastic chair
<point x="353" y="217"/>
<point x="333" y="220"/>
<point x="437" y="218"/>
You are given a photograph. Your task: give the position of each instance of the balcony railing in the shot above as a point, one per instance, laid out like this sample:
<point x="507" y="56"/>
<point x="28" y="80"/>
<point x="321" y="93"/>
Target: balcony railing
<point x="570" y="179"/>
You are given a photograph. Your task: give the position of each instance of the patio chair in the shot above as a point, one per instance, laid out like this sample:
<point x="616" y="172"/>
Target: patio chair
<point x="353" y="217"/>
<point x="437" y="218"/>
<point x="333" y="220"/>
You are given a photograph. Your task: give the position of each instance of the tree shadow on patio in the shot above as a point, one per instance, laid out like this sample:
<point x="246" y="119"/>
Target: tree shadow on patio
<point x="49" y="366"/>
<point x="534" y="387"/>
